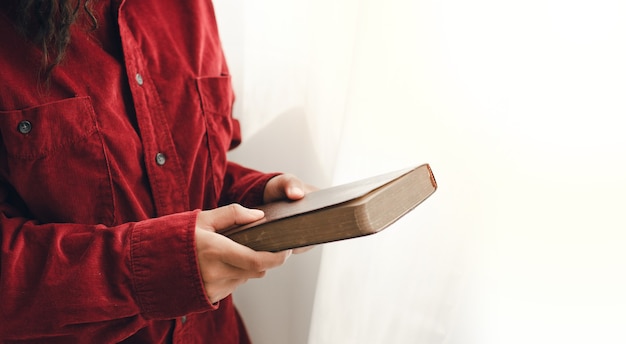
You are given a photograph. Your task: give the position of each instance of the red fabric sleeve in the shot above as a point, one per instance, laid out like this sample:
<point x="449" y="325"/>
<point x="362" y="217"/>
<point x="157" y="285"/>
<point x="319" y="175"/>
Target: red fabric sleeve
<point x="244" y="185"/>
<point x="58" y="279"/>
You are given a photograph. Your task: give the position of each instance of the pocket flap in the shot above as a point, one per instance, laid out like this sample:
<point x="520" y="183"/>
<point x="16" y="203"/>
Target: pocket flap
<point x="42" y="130"/>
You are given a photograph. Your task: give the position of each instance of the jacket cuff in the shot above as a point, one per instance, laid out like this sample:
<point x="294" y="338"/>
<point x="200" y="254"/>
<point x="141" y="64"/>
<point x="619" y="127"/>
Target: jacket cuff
<point x="255" y="196"/>
<point x="165" y="274"/>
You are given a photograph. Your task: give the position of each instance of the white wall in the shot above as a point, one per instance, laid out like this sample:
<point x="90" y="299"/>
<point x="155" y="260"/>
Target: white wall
<point x="518" y="107"/>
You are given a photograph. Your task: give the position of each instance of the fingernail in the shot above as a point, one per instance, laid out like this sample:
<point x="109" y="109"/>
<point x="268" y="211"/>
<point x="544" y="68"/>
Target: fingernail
<point x="296" y="191"/>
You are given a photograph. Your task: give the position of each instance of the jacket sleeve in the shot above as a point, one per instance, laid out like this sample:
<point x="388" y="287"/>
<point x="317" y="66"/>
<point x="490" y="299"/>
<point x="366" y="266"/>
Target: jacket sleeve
<point x="58" y="279"/>
<point x="244" y="185"/>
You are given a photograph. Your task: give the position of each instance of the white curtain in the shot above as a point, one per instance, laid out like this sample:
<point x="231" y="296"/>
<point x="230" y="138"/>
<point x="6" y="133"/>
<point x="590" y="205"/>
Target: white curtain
<point x="517" y="106"/>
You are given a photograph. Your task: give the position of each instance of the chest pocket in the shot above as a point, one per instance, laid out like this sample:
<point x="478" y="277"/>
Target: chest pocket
<point x="55" y="159"/>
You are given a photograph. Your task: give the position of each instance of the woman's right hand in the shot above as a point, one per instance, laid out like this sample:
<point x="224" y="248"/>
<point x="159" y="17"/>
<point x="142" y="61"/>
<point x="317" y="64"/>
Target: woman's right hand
<point x="225" y="264"/>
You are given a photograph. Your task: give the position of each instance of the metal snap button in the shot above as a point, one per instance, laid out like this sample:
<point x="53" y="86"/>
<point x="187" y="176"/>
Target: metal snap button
<point x="24" y="127"/>
<point x="160" y="159"/>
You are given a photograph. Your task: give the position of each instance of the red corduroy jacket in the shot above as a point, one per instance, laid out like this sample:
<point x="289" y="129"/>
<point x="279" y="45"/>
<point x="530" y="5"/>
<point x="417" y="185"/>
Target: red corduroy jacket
<point x="102" y="172"/>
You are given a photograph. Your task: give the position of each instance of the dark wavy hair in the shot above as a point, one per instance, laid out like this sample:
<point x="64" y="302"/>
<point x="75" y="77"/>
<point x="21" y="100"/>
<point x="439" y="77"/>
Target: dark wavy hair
<point x="47" y="23"/>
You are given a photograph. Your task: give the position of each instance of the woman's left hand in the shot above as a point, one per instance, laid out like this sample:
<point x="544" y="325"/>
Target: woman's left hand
<point x="285" y="186"/>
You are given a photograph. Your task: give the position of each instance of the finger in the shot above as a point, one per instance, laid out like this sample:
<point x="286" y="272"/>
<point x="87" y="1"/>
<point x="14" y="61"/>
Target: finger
<point x="304" y="249"/>
<point x="243" y="257"/>
<point x="226" y="216"/>
<point x="248" y="259"/>
<point x="293" y="187"/>
<point x="284" y="186"/>
<point x="294" y="192"/>
<point x="220" y="271"/>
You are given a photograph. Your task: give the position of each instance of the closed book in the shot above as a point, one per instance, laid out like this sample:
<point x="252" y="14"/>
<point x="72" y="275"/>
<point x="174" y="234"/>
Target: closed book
<point x="341" y="212"/>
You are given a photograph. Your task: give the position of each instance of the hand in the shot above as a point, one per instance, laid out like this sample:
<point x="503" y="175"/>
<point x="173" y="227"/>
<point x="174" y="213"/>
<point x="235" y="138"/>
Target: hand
<point x="225" y="264"/>
<point x="287" y="186"/>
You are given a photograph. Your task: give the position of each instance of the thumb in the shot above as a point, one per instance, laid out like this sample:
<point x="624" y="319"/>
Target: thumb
<point x="227" y="216"/>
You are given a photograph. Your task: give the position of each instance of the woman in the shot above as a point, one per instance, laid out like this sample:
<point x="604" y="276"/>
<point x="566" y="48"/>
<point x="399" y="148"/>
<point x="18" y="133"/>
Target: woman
<point x="115" y="120"/>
